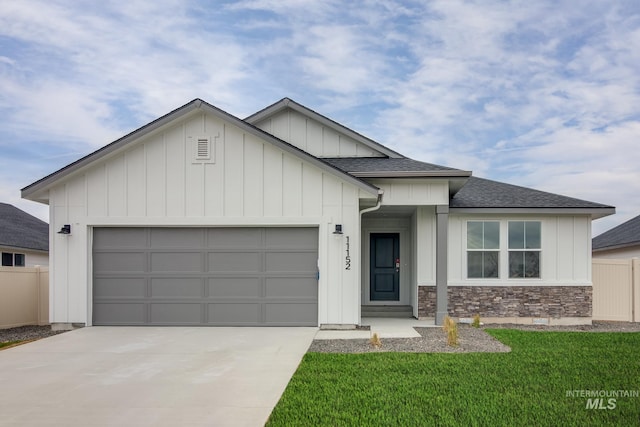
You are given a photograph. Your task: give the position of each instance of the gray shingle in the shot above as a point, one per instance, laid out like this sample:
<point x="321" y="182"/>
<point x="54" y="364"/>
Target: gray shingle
<point x="21" y="230"/>
<point x="484" y="193"/>
<point x="383" y="164"/>
<point x="625" y="234"/>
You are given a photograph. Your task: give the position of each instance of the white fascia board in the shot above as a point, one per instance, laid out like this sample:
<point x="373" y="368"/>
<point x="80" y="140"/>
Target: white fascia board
<point x="595" y="213"/>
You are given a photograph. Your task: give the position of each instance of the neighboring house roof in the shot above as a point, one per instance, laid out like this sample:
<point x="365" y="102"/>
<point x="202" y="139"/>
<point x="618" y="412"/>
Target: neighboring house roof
<point x="35" y="191"/>
<point x="377" y="167"/>
<point x="18" y="229"/>
<point x="285" y="103"/>
<point x="624" y="235"/>
<point x="480" y="193"/>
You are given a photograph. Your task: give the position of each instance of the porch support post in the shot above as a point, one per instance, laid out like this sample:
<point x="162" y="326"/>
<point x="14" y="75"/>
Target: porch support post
<point x="442" y="227"/>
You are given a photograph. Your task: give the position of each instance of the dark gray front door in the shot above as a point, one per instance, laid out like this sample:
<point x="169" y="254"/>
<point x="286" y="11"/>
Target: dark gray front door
<point x="205" y="276"/>
<point x="385" y="268"/>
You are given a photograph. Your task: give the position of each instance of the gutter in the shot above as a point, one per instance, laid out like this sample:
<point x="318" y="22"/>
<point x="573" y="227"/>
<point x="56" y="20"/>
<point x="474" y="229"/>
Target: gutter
<point x="373" y="208"/>
<point x="412" y="174"/>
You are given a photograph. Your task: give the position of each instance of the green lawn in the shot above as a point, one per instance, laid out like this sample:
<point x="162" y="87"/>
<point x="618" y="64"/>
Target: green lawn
<point x="9" y="343"/>
<point x="527" y="387"/>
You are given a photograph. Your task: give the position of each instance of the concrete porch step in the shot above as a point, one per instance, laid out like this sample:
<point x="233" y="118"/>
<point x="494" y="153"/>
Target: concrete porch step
<point x="396" y="311"/>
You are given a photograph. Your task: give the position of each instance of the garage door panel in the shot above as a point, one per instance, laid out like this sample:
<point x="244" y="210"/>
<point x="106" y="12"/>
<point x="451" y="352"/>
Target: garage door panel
<point x="176" y="288"/>
<point x="205" y="276"/>
<point x="291" y="261"/>
<point x="235" y="313"/>
<point x="222" y="262"/>
<point x="236" y="287"/>
<point x="119" y="237"/>
<point x="119" y="313"/>
<point x="176" y="238"/>
<point x="177" y="261"/>
<point x="119" y="287"/>
<point x="120" y="262"/>
<point x="235" y="238"/>
<point x="302" y="238"/>
<point x="176" y="313"/>
<point x="283" y="314"/>
<point x="291" y="287"/>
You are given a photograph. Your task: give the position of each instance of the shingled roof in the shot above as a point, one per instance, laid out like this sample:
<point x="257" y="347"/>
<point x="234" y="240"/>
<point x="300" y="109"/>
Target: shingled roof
<point x="484" y="193"/>
<point x="383" y="166"/>
<point x="625" y="234"/>
<point x="18" y="229"/>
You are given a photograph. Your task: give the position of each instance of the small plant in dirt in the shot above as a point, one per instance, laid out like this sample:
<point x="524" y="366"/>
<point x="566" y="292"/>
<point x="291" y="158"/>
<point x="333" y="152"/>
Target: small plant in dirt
<point x="375" y="340"/>
<point x="476" y="321"/>
<point x="451" y="328"/>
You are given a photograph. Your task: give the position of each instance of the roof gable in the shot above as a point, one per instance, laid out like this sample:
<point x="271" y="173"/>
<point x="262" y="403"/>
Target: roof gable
<point x="289" y="112"/>
<point x="37" y="190"/>
<point x="625" y="234"/>
<point x="21" y="230"/>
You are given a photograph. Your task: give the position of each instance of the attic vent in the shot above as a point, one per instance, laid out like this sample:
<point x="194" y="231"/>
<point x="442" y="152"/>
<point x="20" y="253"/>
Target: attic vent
<point x="203" y="148"/>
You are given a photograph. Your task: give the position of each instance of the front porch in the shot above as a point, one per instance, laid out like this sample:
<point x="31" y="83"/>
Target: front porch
<point x="404" y="248"/>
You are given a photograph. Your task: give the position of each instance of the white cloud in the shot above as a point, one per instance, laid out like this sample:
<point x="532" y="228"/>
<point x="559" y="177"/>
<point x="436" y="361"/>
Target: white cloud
<point x="542" y="93"/>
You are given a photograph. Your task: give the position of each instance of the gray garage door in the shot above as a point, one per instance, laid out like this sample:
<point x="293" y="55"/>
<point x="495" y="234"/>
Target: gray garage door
<point x="205" y="276"/>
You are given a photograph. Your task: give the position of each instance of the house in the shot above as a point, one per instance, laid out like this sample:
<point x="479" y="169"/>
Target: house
<point x="24" y="239"/>
<point x="289" y="218"/>
<point x="622" y="241"/>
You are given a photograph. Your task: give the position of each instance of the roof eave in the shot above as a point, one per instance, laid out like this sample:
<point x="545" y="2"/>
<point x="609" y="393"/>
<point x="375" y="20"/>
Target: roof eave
<point x="595" y="213"/>
<point x="615" y="247"/>
<point x="23" y="248"/>
<point x="413" y="174"/>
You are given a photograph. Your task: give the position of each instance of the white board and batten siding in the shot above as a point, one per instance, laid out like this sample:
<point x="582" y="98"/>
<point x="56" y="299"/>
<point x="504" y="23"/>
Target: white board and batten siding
<point x="565" y="252"/>
<point x="247" y="182"/>
<point x="313" y="137"/>
<point x="413" y="192"/>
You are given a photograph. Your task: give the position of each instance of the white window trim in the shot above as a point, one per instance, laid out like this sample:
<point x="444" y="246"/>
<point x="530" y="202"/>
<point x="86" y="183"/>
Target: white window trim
<point x="503" y="271"/>
<point x="539" y="250"/>
<point x="467" y="250"/>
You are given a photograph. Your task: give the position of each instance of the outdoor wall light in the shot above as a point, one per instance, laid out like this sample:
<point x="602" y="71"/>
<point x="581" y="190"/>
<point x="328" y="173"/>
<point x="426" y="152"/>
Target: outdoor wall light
<point x="66" y="229"/>
<point x="338" y="229"/>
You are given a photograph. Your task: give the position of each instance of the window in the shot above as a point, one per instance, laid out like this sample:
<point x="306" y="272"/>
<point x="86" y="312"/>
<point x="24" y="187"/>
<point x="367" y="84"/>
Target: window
<point x="10" y="259"/>
<point x="7" y="259"/>
<point x="524" y="249"/>
<point x="483" y="249"/>
<point x="18" y="260"/>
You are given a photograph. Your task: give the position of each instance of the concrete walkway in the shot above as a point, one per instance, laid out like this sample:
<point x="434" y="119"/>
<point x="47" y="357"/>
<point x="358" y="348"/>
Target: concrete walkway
<point x="150" y="376"/>
<point x="385" y="327"/>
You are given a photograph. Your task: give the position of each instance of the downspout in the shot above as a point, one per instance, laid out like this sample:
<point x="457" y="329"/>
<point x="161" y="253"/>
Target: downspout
<point x="373" y="208"/>
<point x="364" y="211"/>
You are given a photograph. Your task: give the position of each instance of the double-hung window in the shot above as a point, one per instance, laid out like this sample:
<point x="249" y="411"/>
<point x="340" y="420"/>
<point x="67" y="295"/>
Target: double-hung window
<point x="524" y="249"/>
<point x="483" y="249"/>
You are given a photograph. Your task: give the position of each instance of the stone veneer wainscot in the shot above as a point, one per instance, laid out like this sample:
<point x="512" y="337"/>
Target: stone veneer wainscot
<point x="510" y="301"/>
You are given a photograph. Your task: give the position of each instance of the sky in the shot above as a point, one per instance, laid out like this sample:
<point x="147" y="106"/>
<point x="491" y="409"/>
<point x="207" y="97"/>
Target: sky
<point x="543" y="94"/>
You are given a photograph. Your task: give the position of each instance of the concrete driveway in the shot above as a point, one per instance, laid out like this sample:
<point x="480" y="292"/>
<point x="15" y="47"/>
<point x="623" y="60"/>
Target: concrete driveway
<point x="150" y="376"/>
